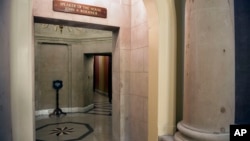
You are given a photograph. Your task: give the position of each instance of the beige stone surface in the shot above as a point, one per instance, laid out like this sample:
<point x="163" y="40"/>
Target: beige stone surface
<point x="134" y="100"/>
<point x="209" y="71"/>
<point x="68" y="63"/>
<point x="119" y="15"/>
<point x="21" y="70"/>
<point x="139" y="37"/>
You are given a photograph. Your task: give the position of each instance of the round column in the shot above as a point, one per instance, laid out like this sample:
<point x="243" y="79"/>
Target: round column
<point x="209" y="79"/>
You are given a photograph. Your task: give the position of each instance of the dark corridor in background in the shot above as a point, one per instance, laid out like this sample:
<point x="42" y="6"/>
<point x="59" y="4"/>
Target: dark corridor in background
<point x="242" y="56"/>
<point x="103" y="74"/>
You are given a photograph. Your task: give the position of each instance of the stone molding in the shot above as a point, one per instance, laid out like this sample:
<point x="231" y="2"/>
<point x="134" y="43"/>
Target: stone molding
<point x="165" y="138"/>
<point x="71" y="40"/>
<point x="198" y="135"/>
<point x="65" y="109"/>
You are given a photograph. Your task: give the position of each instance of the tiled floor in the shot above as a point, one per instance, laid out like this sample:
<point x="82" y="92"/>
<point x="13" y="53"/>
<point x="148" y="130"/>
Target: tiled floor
<point x="93" y="125"/>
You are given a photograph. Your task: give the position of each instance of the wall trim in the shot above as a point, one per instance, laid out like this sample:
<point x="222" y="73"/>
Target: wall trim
<point x="101" y="92"/>
<point x="81" y="40"/>
<point x="67" y="110"/>
<point x="166" y="138"/>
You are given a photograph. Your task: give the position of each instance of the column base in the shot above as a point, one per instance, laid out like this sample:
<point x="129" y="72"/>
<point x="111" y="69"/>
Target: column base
<point x="166" y="138"/>
<point x="186" y="134"/>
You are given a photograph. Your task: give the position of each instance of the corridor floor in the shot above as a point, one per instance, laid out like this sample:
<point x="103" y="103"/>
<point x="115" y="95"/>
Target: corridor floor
<point x="93" y="125"/>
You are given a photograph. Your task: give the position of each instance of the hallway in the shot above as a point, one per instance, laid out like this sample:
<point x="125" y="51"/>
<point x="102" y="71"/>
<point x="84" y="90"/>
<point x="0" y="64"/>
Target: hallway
<point x="180" y="69"/>
<point x="93" y="125"/>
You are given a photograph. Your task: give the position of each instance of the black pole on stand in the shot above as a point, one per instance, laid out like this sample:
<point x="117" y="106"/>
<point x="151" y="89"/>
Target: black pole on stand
<point x="57" y="84"/>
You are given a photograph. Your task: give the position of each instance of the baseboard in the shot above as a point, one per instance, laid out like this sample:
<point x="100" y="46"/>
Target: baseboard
<point x="67" y="110"/>
<point x="101" y="92"/>
<point x="165" y="138"/>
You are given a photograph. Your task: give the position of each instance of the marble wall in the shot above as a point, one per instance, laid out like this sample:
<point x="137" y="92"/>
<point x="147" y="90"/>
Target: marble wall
<point x="119" y="16"/>
<point x="135" y="93"/>
<point x="129" y="61"/>
<point x="128" y="22"/>
<point x="161" y="17"/>
<point x="64" y="56"/>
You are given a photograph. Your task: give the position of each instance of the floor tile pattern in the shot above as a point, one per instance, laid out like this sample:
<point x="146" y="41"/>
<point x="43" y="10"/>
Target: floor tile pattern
<point x="101" y="108"/>
<point x="62" y="131"/>
<point x="93" y="125"/>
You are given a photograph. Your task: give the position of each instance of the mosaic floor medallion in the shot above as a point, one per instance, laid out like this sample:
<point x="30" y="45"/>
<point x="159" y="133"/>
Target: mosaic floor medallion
<point x="64" y="131"/>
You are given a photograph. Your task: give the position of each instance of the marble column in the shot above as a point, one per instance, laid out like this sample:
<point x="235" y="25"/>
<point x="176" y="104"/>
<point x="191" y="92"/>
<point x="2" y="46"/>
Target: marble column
<point x="209" y="71"/>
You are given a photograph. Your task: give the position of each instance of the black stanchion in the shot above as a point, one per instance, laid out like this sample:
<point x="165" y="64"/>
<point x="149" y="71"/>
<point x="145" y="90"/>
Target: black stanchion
<point x="57" y="84"/>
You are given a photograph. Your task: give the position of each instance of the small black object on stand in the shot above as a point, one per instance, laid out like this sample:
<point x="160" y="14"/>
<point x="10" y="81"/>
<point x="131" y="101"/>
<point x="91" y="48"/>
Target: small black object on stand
<point x="57" y="84"/>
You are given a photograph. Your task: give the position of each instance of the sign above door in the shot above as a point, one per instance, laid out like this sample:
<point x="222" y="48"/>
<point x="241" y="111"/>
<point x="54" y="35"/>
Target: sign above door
<point x="77" y="8"/>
